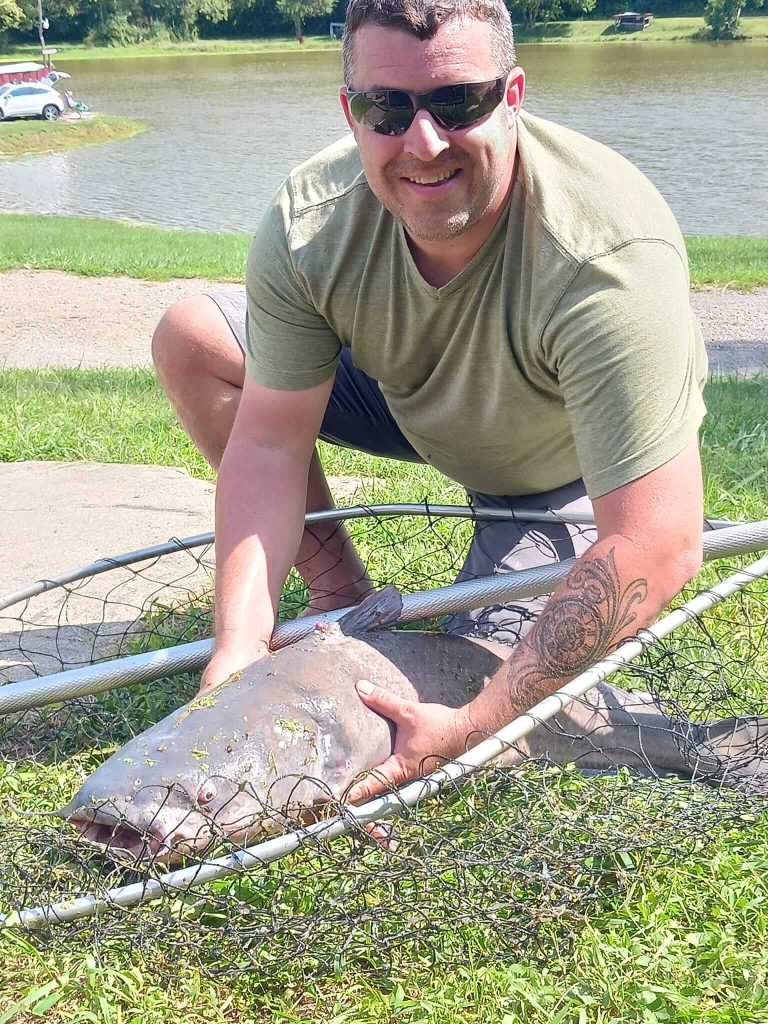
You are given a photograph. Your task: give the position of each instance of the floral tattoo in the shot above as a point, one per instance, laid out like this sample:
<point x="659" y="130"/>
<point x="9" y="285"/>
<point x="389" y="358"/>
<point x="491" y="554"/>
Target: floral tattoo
<point x="576" y="629"/>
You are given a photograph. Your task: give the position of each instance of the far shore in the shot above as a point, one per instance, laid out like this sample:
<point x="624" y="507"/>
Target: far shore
<point x="754" y="29"/>
<point x="27" y="137"/>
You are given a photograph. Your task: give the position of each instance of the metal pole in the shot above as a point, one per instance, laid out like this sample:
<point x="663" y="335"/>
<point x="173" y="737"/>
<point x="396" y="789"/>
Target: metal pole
<point x="191" y="657"/>
<point x="40" y="29"/>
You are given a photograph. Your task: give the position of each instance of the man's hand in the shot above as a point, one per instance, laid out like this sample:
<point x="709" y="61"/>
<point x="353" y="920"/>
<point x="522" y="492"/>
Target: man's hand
<point x="225" y="663"/>
<point x="427" y="735"/>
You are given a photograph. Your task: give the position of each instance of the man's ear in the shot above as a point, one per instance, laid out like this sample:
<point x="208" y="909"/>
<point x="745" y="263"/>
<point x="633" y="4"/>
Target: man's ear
<point x="515" y="90"/>
<point x="344" y="100"/>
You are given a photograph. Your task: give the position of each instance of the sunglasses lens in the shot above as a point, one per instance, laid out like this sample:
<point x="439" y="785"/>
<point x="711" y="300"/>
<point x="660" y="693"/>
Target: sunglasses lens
<point x="458" y="106"/>
<point x="386" y="113"/>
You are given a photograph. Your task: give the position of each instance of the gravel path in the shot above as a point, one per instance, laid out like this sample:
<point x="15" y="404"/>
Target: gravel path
<point x="50" y="318"/>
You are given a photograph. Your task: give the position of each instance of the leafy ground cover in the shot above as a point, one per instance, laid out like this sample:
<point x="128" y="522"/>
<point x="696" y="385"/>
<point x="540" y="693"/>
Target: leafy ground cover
<point x="98" y="248"/>
<point x="679" y="941"/>
<point x="26" y="137"/>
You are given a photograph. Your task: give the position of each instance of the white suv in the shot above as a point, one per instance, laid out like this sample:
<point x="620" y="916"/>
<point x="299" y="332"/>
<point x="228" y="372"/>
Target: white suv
<point x="28" y="99"/>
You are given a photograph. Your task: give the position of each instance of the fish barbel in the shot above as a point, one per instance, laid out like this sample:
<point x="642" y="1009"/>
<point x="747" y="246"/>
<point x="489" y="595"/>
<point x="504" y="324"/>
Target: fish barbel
<point x="289" y="732"/>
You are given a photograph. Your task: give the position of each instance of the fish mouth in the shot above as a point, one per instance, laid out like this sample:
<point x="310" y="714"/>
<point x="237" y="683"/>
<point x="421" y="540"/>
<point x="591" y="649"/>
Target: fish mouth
<point x="122" y="841"/>
<point x="127" y="843"/>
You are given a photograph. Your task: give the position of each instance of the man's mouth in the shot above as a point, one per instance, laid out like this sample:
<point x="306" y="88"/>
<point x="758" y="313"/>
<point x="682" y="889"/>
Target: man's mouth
<point x="431" y="180"/>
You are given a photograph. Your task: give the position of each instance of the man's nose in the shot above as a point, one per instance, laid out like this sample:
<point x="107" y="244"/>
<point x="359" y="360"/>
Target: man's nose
<point x="425" y="139"/>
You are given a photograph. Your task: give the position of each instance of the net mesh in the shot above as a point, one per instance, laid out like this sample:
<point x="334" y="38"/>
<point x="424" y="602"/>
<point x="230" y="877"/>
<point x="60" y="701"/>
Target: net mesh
<point x="505" y="862"/>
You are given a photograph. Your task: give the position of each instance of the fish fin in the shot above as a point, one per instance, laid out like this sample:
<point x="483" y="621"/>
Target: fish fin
<point x="377" y="611"/>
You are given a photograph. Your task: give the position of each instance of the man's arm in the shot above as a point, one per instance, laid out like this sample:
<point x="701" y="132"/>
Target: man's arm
<point x="648" y="547"/>
<point x="260" y="500"/>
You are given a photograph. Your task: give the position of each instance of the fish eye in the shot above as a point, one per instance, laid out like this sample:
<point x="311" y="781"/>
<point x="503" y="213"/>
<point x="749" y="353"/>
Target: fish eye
<point x="206" y="793"/>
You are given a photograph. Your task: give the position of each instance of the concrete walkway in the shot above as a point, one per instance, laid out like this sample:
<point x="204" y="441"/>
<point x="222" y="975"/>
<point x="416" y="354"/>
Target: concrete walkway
<point x="61" y="516"/>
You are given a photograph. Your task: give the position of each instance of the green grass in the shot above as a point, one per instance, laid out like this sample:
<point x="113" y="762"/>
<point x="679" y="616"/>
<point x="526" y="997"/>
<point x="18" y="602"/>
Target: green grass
<point x="71" y="52"/>
<point x="101" y="248"/>
<point x="26" y="137"/>
<point x="661" y="30"/>
<point x="584" y="31"/>
<point x="123" y="416"/>
<point x="729" y="262"/>
<point x="683" y="943"/>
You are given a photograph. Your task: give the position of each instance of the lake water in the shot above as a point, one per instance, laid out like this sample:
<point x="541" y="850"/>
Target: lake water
<point x="226" y="130"/>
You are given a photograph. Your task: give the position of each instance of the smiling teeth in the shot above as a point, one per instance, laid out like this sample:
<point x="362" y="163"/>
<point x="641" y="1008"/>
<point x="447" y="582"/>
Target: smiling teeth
<point x="434" y="180"/>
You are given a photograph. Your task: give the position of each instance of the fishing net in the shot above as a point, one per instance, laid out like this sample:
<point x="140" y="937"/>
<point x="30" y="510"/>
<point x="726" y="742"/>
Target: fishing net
<point x="503" y="862"/>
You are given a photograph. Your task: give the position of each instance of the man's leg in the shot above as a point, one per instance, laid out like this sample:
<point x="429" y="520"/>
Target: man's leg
<point x="510" y="546"/>
<point x="198" y="352"/>
<point x="200" y="365"/>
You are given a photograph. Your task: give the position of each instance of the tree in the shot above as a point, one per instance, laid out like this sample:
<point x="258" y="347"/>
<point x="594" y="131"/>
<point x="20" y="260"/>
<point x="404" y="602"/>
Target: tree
<point x="722" y="18"/>
<point x="533" y="12"/>
<point x="11" y="15"/>
<point x="113" y="23"/>
<point x="298" y="9"/>
<point x="180" y="17"/>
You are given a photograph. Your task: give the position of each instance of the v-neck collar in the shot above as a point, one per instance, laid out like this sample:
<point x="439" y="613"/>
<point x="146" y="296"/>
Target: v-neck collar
<point x="483" y="254"/>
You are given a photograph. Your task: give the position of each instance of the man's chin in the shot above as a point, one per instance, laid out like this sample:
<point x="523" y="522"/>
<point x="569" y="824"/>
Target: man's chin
<point x="434" y="229"/>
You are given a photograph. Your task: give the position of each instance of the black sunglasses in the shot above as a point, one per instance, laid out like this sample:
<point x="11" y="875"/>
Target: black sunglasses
<point x="391" y="111"/>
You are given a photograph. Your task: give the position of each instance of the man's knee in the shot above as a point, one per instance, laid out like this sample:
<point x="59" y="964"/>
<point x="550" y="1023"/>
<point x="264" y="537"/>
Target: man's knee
<point x="194" y="338"/>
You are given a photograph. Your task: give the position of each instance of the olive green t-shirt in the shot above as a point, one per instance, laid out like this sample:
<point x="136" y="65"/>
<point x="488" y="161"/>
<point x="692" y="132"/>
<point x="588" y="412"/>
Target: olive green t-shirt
<point x="566" y="348"/>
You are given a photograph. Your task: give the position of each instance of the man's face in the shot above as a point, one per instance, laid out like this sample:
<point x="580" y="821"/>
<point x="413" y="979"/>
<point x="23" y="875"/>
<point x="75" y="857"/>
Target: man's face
<point x="438" y="183"/>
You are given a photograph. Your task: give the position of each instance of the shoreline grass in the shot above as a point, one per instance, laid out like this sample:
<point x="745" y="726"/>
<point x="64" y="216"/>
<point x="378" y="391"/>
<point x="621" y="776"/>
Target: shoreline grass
<point x="122" y="415"/>
<point x="102" y="248"/>
<point x="28" y="137"/>
<point x="754" y="28"/>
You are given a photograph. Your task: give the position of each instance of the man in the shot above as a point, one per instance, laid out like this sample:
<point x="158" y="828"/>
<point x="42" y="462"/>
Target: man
<point x="519" y="293"/>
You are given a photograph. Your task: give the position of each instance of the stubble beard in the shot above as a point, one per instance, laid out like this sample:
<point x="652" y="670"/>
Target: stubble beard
<point x="437" y="228"/>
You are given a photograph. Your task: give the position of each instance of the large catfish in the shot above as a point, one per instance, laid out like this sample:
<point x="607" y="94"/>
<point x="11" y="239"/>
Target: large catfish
<point x="290" y="732"/>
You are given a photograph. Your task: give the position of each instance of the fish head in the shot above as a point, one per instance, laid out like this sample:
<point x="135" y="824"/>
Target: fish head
<point x="156" y="822"/>
<point x="250" y="757"/>
<point x="184" y="787"/>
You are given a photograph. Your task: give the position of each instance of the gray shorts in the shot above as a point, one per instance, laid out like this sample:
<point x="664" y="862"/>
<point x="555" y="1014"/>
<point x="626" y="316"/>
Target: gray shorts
<point x="358" y="417"/>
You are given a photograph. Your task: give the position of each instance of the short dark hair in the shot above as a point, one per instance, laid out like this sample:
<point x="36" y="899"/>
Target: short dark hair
<point x="423" y="18"/>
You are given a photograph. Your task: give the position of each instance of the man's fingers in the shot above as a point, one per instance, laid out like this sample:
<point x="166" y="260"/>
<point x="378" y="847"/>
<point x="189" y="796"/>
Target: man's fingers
<point x="227" y="665"/>
<point x="382" y="701"/>
<point x="382" y="779"/>
<point x="383" y="834"/>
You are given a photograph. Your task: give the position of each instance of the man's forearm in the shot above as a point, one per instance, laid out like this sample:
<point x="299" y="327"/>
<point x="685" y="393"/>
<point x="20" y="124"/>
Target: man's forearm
<point x="614" y="590"/>
<point x="260" y="501"/>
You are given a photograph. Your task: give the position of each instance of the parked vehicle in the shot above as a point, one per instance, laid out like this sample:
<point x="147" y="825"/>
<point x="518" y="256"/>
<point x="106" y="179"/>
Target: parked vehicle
<point x="23" y="71"/>
<point x="29" y="99"/>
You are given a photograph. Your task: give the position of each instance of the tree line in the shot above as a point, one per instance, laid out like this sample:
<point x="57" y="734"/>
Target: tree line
<point x="128" y="22"/>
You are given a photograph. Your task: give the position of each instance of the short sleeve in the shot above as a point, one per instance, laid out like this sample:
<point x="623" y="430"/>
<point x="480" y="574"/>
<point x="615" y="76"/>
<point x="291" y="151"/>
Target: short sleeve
<point x="630" y="362"/>
<point x="289" y="345"/>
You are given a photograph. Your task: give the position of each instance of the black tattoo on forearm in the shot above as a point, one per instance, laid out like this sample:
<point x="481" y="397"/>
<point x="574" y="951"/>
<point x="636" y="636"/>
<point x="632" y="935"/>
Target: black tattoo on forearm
<point x="576" y="629"/>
